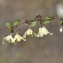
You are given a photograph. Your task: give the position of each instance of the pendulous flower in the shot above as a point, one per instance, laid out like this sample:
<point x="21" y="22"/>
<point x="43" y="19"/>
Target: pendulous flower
<point x="8" y="38"/>
<point x="29" y="32"/>
<point x="18" y="38"/>
<point x="43" y="31"/>
<point x="61" y="29"/>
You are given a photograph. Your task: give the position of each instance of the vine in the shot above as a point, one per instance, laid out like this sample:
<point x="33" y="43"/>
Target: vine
<point x="41" y="32"/>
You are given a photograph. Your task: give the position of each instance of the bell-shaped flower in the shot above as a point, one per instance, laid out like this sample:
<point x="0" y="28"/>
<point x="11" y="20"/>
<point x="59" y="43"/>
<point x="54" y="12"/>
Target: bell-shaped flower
<point x="18" y="38"/>
<point x="61" y="29"/>
<point x="43" y="31"/>
<point x="8" y="38"/>
<point x="29" y="32"/>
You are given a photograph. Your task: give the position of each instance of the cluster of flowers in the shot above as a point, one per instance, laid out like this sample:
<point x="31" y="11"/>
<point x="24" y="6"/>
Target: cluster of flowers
<point x="42" y="31"/>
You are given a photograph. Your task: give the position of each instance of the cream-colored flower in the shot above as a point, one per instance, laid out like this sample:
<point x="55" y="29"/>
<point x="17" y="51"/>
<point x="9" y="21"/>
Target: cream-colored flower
<point x="18" y="38"/>
<point x="61" y="29"/>
<point x="8" y="38"/>
<point x="29" y="32"/>
<point x="43" y="31"/>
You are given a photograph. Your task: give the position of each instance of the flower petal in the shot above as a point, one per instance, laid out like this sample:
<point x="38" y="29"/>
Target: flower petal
<point x="51" y="33"/>
<point x="24" y="36"/>
<point x="45" y="31"/>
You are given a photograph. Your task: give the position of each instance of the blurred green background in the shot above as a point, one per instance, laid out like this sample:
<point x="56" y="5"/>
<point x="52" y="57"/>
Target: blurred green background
<point x="48" y="49"/>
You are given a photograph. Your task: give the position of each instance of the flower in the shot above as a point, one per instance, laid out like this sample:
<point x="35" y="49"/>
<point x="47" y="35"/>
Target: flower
<point x="43" y="31"/>
<point x="18" y="38"/>
<point x="61" y="29"/>
<point x="29" y="32"/>
<point x="8" y="38"/>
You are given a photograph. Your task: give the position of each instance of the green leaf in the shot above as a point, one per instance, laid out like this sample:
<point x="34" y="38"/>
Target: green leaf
<point x="47" y="20"/>
<point x="32" y="23"/>
<point x="61" y="23"/>
<point x="16" y="22"/>
<point x="8" y="25"/>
